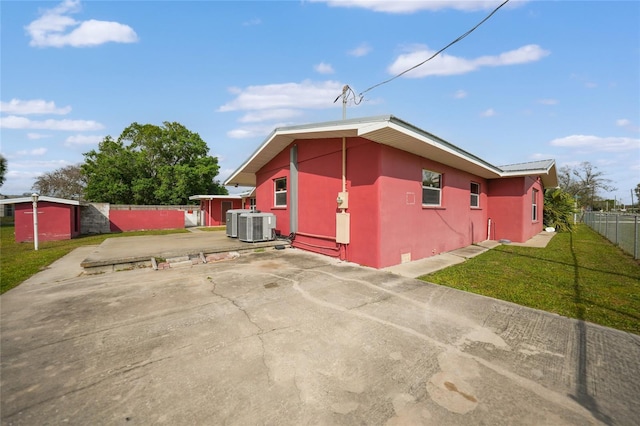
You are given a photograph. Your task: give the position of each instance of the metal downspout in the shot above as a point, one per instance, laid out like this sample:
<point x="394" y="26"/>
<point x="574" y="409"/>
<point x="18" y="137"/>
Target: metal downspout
<point x="293" y="189"/>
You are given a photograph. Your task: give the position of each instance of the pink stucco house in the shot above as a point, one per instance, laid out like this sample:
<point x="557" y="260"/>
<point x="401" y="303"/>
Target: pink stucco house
<point x="379" y="191"/>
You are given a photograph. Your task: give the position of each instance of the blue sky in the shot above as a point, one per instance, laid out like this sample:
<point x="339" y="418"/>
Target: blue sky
<point x="540" y="79"/>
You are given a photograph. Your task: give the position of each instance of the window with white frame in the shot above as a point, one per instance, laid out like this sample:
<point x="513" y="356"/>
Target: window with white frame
<point x="431" y="188"/>
<point x="534" y="205"/>
<point x="475" y="194"/>
<point x="280" y="189"/>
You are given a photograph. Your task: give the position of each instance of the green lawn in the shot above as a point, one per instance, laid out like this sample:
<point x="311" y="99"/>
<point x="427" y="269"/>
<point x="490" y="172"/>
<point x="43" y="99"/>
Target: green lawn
<point x="579" y="275"/>
<point x="212" y="228"/>
<point x="19" y="261"/>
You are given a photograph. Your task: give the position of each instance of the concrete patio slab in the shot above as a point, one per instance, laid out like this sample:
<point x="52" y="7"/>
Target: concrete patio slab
<point x="288" y="338"/>
<point x="539" y="241"/>
<point x="421" y="267"/>
<point x="469" y="251"/>
<point x="133" y="252"/>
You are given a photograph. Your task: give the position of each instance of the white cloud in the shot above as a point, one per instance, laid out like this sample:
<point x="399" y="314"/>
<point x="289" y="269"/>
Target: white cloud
<point x="221" y="158"/>
<point x="54" y="28"/>
<point x="36" y="151"/>
<point x="252" y="22"/>
<point x="268" y="115"/>
<point x="23" y="171"/>
<point x="548" y="101"/>
<point x="445" y="64"/>
<point x="223" y="174"/>
<point x="35" y="106"/>
<point x="540" y="156"/>
<point x="488" y="113"/>
<point x="19" y="182"/>
<point x="250" y="132"/>
<point x="394" y="6"/>
<point x="584" y="80"/>
<point x="323" y="68"/>
<point x="361" y="50"/>
<point x="308" y="94"/>
<point x="35" y="136"/>
<point x="628" y="125"/>
<point x="15" y="122"/>
<point x="597" y="143"/>
<point x="83" y="140"/>
<point x="460" y="94"/>
<point x="278" y="102"/>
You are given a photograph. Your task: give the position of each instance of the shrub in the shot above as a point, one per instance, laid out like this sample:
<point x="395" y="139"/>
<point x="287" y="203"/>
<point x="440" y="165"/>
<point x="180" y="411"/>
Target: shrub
<point x="558" y="209"/>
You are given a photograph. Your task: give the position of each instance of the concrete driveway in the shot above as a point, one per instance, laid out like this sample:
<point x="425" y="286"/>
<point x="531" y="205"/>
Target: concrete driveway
<point x="290" y="338"/>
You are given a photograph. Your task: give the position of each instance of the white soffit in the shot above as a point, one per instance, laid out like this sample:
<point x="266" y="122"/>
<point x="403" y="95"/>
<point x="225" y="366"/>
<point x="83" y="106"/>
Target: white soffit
<point x="398" y="137"/>
<point x="390" y="131"/>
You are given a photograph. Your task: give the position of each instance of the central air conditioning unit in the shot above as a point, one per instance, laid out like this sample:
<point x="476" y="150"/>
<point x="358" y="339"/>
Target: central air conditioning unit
<point x="232" y="221"/>
<point x="254" y="227"/>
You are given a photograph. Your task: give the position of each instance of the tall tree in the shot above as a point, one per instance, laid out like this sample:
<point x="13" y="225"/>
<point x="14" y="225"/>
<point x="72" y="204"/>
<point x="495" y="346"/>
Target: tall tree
<point x="151" y="164"/>
<point x="3" y="169"/>
<point x="65" y="182"/>
<point x="110" y="172"/>
<point x="583" y="182"/>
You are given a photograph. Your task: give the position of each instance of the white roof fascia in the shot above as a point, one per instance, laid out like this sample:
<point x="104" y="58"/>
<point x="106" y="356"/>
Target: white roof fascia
<point x="367" y="127"/>
<point x="41" y="199"/>
<point x="251" y="158"/>
<point x="248" y="194"/>
<point x="283" y="136"/>
<point x="214" y="197"/>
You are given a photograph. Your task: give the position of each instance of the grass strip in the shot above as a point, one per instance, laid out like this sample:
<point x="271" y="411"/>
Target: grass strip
<point x="212" y="228"/>
<point x="579" y="275"/>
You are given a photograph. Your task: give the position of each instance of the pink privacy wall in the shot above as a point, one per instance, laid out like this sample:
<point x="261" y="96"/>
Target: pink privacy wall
<point x="55" y="221"/>
<point x="137" y="220"/>
<point x="510" y="209"/>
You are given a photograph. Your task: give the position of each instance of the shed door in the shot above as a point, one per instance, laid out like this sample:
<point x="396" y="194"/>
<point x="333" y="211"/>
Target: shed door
<point x="226" y="205"/>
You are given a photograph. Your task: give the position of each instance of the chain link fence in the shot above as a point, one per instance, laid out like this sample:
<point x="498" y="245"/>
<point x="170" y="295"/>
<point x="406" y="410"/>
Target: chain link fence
<point x="622" y="230"/>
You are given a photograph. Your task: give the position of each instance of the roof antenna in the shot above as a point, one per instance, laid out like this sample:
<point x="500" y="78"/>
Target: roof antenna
<point x="345" y="88"/>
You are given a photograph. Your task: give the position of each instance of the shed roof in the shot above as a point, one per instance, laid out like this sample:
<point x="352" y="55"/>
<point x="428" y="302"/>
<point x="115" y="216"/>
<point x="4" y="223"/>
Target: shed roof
<point x="41" y="198"/>
<point x="245" y="194"/>
<point x="391" y="131"/>
<point x="544" y="168"/>
<point x="215" y="197"/>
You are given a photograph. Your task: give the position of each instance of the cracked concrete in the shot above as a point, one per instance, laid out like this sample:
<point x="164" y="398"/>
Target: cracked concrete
<point x="285" y="337"/>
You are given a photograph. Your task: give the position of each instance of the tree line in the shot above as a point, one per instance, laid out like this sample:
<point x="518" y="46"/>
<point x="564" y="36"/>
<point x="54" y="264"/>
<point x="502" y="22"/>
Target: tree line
<point x="147" y="164"/>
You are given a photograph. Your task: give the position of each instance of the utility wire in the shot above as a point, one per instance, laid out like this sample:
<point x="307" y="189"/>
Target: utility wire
<point x="361" y="95"/>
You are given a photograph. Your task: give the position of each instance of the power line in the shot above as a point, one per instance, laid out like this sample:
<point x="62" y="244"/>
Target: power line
<point x="361" y="95"/>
